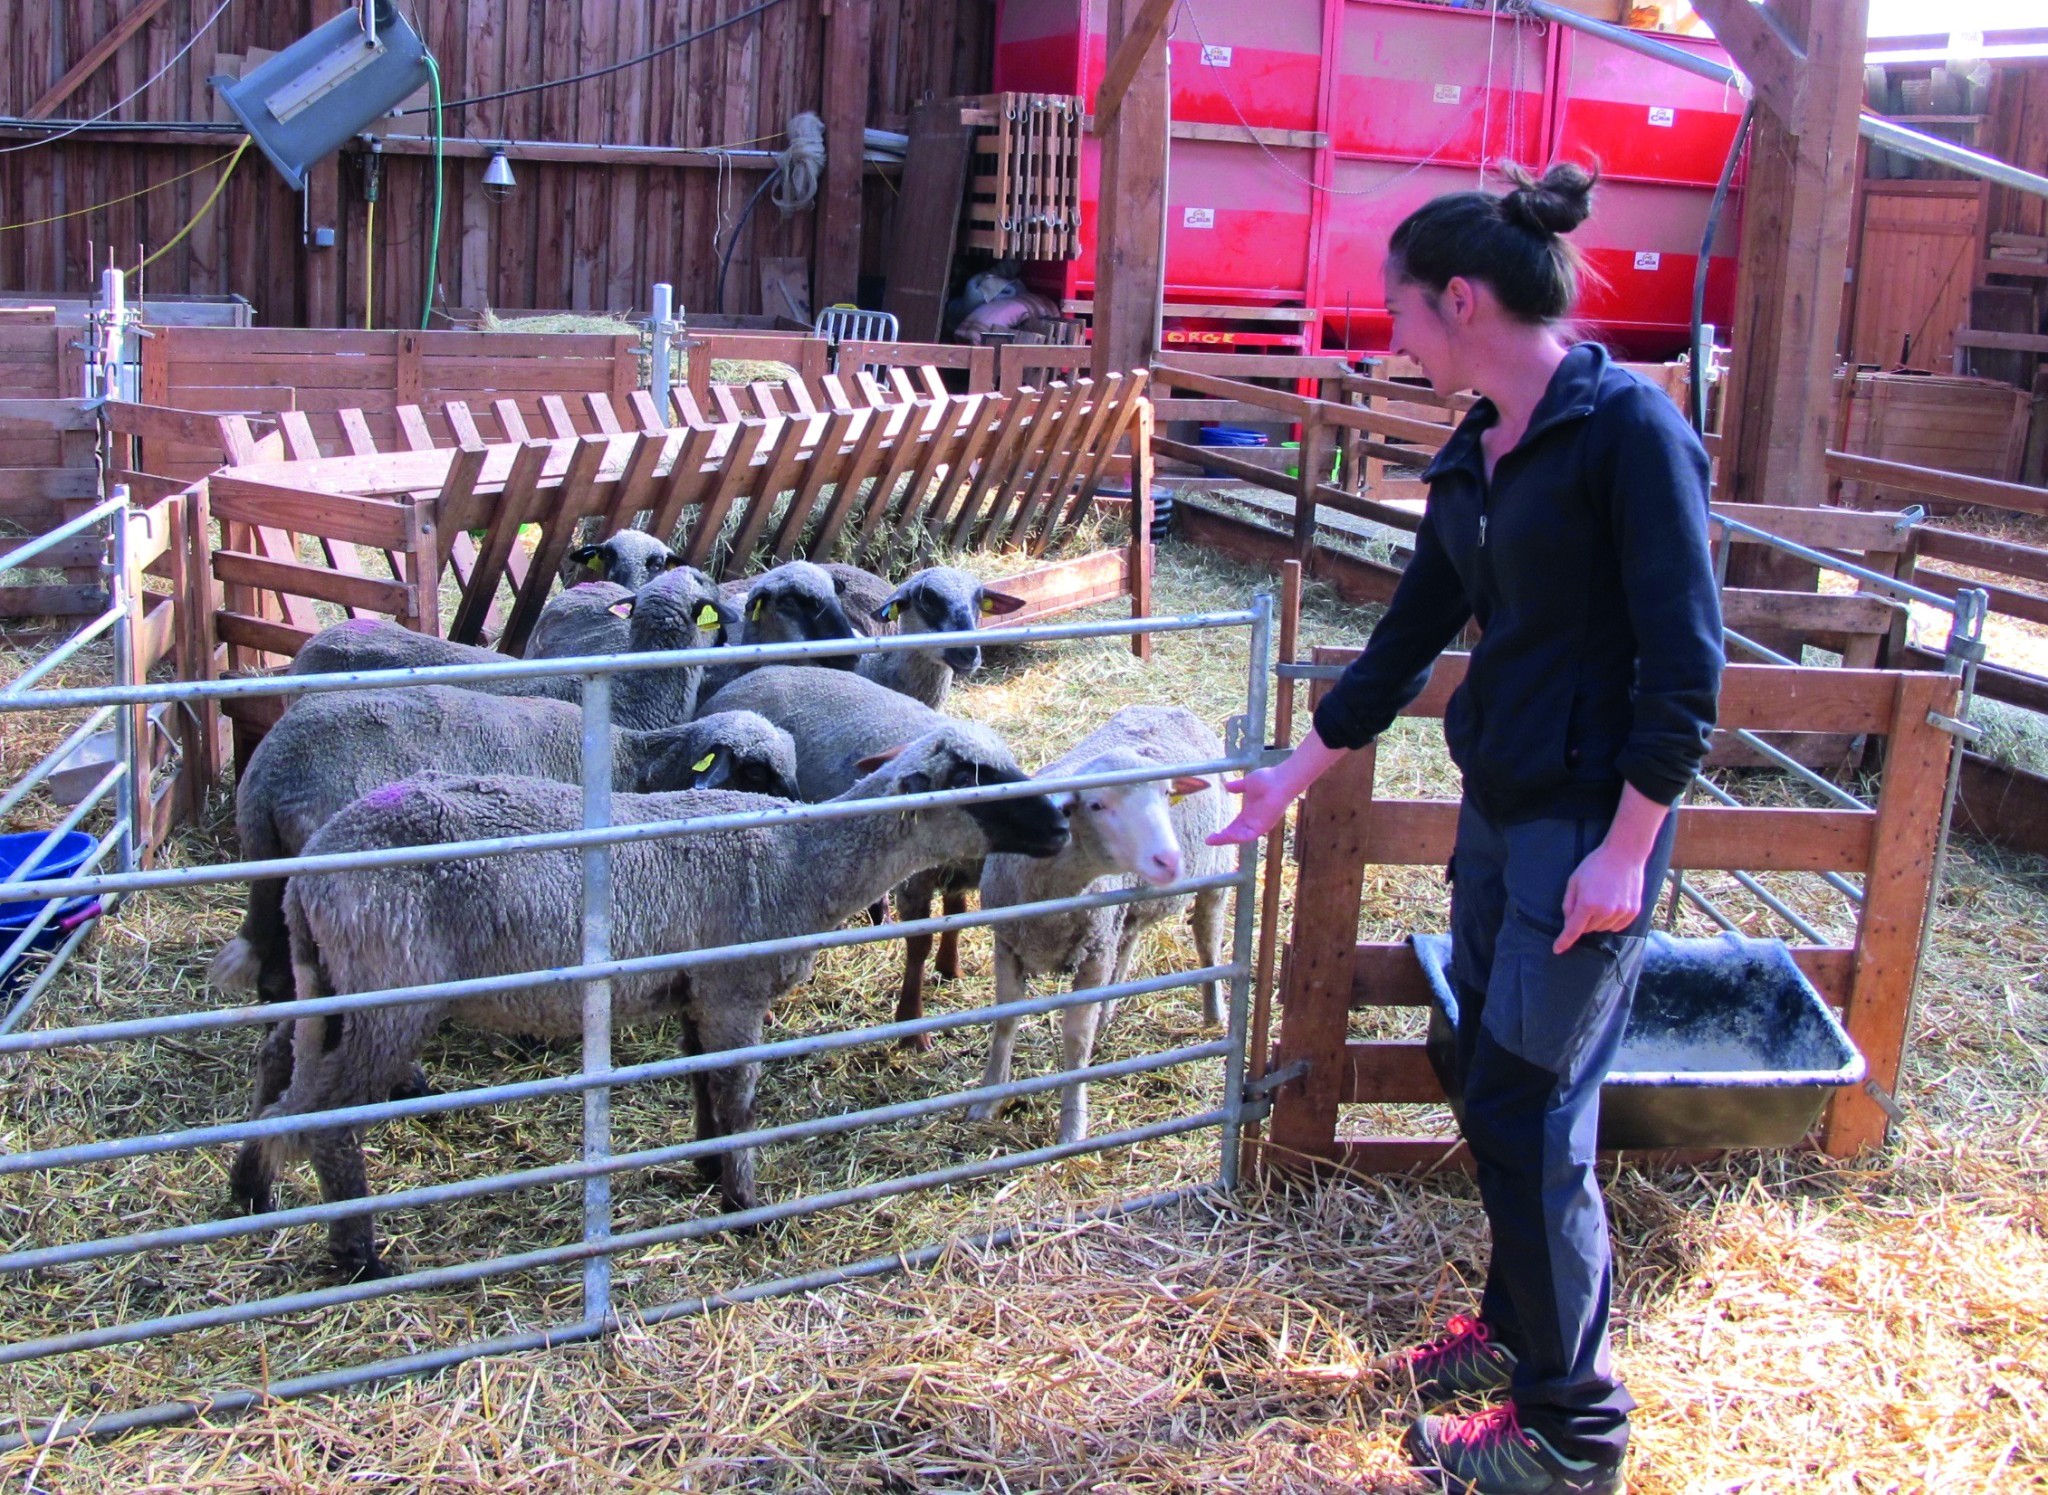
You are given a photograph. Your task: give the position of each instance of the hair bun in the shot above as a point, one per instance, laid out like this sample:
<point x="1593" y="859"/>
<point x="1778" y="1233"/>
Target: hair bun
<point x="1556" y="203"/>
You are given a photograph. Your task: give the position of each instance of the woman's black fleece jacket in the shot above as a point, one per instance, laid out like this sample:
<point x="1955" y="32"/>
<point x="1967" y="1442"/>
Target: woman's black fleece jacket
<point x="1586" y="564"/>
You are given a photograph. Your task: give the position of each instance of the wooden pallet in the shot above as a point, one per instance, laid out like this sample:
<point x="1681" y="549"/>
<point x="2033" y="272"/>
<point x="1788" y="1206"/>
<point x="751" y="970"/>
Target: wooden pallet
<point x="1024" y="196"/>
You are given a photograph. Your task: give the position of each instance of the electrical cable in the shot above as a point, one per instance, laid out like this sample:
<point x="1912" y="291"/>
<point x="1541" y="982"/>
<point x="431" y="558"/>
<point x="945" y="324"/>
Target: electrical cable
<point x="792" y="185"/>
<point x="661" y="51"/>
<point x="204" y="208"/>
<point x="440" y="143"/>
<point x="1696" y="401"/>
<point x="725" y="262"/>
<point x="117" y="201"/>
<point x="369" y="264"/>
<point x="141" y="88"/>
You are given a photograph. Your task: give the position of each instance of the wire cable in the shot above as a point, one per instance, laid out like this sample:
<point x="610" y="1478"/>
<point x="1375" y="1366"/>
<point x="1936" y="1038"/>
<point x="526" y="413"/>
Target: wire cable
<point x="440" y="142"/>
<point x="98" y="207"/>
<point x="661" y="51"/>
<point x="141" y="88"/>
<point x="1696" y="401"/>
<point x="204" y="208"/>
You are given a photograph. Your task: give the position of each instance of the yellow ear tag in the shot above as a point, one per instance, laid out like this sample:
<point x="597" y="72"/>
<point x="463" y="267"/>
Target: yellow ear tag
<point x="754" y="612"/>
<point x="988" y="607"/>
<point x="705" y="765"/>
<point x="707" y="616"/>
<point x="595" y="563"/>
<point x="1174" y="799"/>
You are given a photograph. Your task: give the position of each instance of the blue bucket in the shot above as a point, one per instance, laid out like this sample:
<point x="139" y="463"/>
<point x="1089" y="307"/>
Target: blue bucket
<point x="61" y="860"/>
<point x="1229" y="436"/>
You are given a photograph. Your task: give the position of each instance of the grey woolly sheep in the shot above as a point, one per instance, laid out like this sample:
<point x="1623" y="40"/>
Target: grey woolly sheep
<point x="329" y="750"/>
<point x="1152" y="833"/>
<point x="938" y="599"/>
<point x="411" y="925"/>
<point x="797" y="602"/>
<point x="679" y="609"/>
<point x="629" y="558"/>
<point x="837" y="719"/>
<point x="579" y="623"/>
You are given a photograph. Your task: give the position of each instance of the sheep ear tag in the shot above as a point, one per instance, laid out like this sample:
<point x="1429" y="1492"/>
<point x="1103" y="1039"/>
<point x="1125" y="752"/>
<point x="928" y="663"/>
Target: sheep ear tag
<point x="622" y="608"/>
<point x="886" y="612"/>
<point x="754" y="612"/>
<point x="707" y="616"/>
<point x="704" y="765"/>
<point x="1179" y="789"/>
<point x="595" y="563"/>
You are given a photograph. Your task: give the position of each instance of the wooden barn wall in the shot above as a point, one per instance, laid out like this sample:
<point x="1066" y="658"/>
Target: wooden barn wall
<point x="570" y="236"/>
<point x="2018" y="132"/>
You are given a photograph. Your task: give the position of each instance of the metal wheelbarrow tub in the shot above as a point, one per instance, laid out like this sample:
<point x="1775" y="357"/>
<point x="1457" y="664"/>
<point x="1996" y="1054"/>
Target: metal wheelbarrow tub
<point x="1728" y="1045"/>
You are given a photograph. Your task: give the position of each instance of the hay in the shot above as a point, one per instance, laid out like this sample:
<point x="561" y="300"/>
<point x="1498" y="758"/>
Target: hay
<point x="1788" y="1324"/>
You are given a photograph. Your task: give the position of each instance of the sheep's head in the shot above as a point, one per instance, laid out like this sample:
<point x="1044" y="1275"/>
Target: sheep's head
<point x="965" y="755"/>
<point x="1129" y="827"/>
<point x="679" y="609"/>
<point x="631" y="558"/>
<point x="797" y="602"/>
<point x="945" y="599"/>
<point x="739" y="750"/>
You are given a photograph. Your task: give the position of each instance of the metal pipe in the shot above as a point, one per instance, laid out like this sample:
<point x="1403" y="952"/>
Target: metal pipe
<point x="428" y="1195"/>
<point x="1244" y="913"/>
<point x="1827" y="562"/>
<point x="1834" y="880"/>
<point x="129" y="743"/>
<point x="72" y="740"/>
<point x="1743" y="641"/>
<point x="62" y="654"/>
<point x="457" y="1274"/>
<point x="62" y="953"/>
<point x="597" y="992"/>
<point x="157" y="1143"/>
<point x="428" y="1361"/>
<point x="1872" y="127"/>
<point x="607" y="664"/>
<point x="28" y="550"/>
<point x="577" y="840"/>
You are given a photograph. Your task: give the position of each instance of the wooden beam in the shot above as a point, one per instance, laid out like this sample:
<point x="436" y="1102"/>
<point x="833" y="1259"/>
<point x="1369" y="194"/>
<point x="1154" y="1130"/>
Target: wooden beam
<point x="1134" y="48"/>
<point x="1130" y="230"/>
<point x="1772" y="61"/>
<point x="849" y="33"/>
<point x="95" y="56"/>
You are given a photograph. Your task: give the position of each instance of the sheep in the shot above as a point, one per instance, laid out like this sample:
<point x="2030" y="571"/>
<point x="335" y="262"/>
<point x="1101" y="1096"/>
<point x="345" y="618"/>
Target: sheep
<point x="629" y="558"/>
<point x="794" y="603"/>
<point x="938" y="599"/>
<point x="1149" y="833"/>
<point x="410" y="925"/>
<point x="679" y="609"/>
<point x="329" y="750"/>
<point x="837" y="719"/>
<point x="579" y="623"/>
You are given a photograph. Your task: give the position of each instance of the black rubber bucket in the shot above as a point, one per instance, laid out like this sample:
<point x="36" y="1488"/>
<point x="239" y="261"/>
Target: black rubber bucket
<point x="1728" y="1045"/>
<point x="1162" y="503"/>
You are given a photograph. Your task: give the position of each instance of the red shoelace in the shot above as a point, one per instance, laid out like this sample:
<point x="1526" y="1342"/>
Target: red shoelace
<point x="1483" y="1430"/>
<point x="1461" y="1328"/>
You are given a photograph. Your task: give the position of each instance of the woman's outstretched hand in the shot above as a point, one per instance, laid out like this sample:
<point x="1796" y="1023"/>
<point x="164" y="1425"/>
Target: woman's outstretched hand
<point x="1267" y="792"/>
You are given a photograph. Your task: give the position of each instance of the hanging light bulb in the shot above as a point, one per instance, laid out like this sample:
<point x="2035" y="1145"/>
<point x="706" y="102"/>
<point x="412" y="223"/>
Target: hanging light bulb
<point x="498" y="177"/>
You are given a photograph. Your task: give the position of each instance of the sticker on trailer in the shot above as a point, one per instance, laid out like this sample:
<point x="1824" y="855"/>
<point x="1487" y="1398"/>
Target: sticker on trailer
<point x="1215" y="56"/>
<point x="1663" y="116"/>
<point x="1198" y="218"/>
<point x="1648" y="259"/>
<point x="1448" y="93"/>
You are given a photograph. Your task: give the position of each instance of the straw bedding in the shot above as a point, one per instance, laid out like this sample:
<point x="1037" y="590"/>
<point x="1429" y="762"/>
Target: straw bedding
<point x="1788" y="1324"/>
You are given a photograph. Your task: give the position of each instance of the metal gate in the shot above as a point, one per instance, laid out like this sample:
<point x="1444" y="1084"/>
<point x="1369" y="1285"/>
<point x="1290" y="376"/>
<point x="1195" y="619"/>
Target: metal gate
<point x="165" y="1227"/>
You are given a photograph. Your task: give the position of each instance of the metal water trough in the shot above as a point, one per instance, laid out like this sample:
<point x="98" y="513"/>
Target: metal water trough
<point x="1728" y="1045"/>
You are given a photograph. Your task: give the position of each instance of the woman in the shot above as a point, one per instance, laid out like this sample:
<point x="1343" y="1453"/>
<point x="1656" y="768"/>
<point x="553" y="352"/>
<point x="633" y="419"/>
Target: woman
<point x="1567" y="516"/>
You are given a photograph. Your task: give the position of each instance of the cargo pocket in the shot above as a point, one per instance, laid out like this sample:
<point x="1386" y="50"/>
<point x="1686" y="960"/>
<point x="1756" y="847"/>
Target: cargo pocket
<point x="1561" y="1013"/>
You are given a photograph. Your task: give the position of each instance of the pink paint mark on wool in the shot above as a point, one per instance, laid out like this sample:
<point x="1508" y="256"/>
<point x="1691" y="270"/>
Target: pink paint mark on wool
<point x="360" y="625"/>
<point x="387" y="796"/>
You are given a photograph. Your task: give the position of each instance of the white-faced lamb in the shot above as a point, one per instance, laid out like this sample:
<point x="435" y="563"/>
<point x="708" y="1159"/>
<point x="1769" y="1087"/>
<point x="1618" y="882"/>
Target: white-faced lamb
<point x="630" y="558"/>
<point x="679" y="609"/>
<point x="1148" y="833"/>
<point x="836" y="719"/>
<point x="410" y="925"/>
<point x="938" y="599"/>
<point x="797" y="602"/>
<point x="330" y="750"/>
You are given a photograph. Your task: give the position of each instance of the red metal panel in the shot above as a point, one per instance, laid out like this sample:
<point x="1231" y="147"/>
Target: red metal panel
<point x="1420" y="82"/>
<point x="1370" y="198"/>
<point x="1038" y="47"/>
<point x="1642" y="246"/>
<point x="1640" y="118"/>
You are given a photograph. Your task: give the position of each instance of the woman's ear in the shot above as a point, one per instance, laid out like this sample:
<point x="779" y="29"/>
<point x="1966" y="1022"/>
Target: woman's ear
<point x="1458" y="301"/>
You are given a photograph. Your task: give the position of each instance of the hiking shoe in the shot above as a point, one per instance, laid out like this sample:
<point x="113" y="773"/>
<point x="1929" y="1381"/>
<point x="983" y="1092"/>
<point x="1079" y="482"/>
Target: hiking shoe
<point x="1491" y="1453"/>
<point x="1466" y="1361"/>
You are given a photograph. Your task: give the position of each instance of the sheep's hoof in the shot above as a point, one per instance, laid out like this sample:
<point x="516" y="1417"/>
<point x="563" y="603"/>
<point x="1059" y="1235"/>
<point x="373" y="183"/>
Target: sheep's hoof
<point x="415" y="1086"/>
<point x="361" y="1268"/>
<point x="916" y="1042"/>
<point x="708" y="1171"/>
<point x="984" y="1110"/>
<point x="249" y="1184"/>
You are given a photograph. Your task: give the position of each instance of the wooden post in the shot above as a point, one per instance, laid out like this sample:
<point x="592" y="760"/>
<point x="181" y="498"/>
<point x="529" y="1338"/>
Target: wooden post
<point x="1880" y="1000"/>
<point x="1317" y="443"/>
<point x="1270" y="867"/>
<point x="1795" y="251"/>
<point x="1141" y="525"/>
<point x="1130" y="231"/>
<point x="849" y="38"/>
<point x="1330" y="836"/>
<point x="320" y="268"/>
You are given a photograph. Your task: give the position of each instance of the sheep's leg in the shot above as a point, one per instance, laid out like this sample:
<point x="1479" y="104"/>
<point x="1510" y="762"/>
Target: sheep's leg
<point x="917" y="949"/>
<point x="1012" y="985"/>
<point x="709" y="1166"/>
<point x="337" y="1155"/>
<point x="252" y="1178"/>
<point x="1207" y="919"/>
<point x="264" y="928"/>
<point x="949" y="942"/>
<point x="1078" y="1026"/>
<point x="732" y="1093"/>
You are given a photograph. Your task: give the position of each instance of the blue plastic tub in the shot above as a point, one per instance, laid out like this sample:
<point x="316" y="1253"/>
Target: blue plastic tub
<point x="1230" y="436"/>
<point x="61" y="860"/>
<point x="1728" y="1045"/>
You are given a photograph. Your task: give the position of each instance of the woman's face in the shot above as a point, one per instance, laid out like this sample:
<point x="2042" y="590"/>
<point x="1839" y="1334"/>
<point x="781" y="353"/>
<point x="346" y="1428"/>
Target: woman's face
<point x="1422" y="331"/>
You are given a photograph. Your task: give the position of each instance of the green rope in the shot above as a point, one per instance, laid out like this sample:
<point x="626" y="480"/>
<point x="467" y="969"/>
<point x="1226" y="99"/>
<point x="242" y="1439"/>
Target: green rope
<point x="440" y="137"/>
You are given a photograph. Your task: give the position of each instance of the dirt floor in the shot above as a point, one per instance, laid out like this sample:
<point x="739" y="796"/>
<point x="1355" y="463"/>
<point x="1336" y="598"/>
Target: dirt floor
<point x="1787" y="1323"/>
